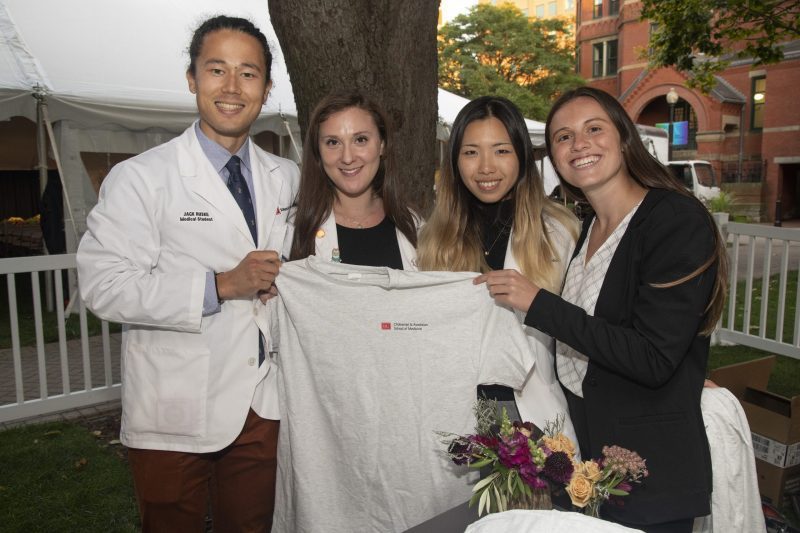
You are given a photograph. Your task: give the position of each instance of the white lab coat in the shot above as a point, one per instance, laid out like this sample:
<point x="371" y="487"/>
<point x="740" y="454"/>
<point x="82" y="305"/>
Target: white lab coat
<point x="541" y="399"/>
<point x="163" y="220"/>
<point x="327" y="239"/>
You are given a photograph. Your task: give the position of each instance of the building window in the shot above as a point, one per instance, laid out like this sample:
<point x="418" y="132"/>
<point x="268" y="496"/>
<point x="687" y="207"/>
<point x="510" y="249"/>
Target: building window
<point x="604" y="59"/>
<point x="611" y="57"/>
<point x="540" y="11"/>
<point x="552" y="9"/>
<point x="759" y="94"/>
<point x="597" y="9"/>
<point x="569" y="5"/>
<point x="613" y="7"/>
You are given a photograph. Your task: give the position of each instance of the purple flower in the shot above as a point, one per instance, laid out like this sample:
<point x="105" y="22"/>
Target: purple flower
<point x="558" y="467"/>
<point x="530" y="475"/>
<point x="459" y="451"/>
<point x="490" y="442"/>
<point x="513" y="451"/>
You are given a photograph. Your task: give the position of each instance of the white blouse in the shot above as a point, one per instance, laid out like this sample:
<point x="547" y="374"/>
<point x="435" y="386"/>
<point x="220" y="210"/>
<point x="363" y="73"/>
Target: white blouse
<point x="582" y="287"/>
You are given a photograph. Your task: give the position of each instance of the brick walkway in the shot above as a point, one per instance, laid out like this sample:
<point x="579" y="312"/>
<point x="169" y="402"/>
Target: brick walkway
<point x="31" y="382"/>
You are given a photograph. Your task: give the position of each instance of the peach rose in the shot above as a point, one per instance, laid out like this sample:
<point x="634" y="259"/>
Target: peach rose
<point x="590" y="470"/>
<point x="580" y="490"/>
<point x="560" y="443"/>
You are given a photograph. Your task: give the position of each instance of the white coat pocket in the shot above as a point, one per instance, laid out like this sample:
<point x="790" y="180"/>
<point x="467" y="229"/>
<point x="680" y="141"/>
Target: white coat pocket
<point x="166" y="390"/>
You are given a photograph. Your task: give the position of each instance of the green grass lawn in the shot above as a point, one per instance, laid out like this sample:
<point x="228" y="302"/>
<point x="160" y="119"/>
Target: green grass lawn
<point x="61" y="477"/>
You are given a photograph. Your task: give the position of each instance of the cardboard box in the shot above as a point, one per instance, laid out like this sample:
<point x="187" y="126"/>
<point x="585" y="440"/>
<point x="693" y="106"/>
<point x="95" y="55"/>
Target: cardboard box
<point x="774" y="423"/>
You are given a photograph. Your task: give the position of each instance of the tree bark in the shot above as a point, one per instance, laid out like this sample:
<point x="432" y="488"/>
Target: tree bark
<point x="386" y="49"/>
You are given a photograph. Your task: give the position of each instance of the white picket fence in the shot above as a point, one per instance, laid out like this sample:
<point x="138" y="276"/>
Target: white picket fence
<point x="762" y="257"/>
<point x="51" y="377"/>
<point x="68" y="374"/>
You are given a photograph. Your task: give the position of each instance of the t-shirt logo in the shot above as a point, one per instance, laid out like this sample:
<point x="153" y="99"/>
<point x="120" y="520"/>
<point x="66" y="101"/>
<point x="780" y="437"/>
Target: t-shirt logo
<point x="386" y="325"/>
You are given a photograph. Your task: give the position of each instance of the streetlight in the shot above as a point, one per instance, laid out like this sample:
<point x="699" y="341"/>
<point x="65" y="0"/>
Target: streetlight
<point x="672" y="99"/>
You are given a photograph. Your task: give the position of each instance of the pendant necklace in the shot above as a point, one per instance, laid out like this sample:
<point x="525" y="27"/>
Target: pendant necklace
<point x="486" y="252"/>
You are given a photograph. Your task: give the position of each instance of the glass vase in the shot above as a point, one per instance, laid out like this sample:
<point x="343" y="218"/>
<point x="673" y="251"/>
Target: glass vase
<point x="593" y="508"/>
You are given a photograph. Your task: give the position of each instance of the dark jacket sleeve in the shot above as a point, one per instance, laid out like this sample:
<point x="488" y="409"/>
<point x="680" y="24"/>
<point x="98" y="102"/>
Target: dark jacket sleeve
<point x="640" y="331"/>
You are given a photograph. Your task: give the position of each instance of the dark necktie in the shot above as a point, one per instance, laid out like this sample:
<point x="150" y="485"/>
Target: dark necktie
<point x="241" y="193"/>
<point x="238" y="187"/>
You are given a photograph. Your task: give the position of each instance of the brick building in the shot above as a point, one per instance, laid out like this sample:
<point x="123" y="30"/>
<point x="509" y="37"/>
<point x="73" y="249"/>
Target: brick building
<point x="748" y="127"/>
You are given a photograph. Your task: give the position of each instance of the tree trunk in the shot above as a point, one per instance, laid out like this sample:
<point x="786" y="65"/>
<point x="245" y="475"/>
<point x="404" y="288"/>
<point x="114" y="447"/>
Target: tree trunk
<point x="386" y="49"/>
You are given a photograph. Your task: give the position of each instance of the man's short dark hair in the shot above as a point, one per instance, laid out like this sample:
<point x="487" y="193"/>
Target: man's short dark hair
<point x="223" y="22"/>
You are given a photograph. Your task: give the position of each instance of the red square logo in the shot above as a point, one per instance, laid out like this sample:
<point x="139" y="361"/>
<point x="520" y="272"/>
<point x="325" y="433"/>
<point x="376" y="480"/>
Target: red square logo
<point x="386" y="325"/>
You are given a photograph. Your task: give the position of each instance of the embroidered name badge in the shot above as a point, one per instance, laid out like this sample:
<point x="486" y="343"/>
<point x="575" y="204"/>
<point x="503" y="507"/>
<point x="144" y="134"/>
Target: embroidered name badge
<point x="280" y="210"/>
<point x="195" y="216"/>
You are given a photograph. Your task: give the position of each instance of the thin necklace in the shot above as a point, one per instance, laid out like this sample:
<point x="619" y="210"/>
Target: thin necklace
<point x="499" y="234"/>
<point x="357" y="222"/>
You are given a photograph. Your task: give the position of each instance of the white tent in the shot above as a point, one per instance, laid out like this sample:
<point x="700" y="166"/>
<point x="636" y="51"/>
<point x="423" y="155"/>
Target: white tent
<point x="449" y="106"/>
<point x="112" y="75"/>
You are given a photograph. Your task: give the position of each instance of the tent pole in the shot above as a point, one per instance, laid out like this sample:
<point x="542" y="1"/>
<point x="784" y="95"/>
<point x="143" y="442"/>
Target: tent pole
<point x="54" y="146"/>
<point x="41" y="152"/>
<point x="291" y="136"/>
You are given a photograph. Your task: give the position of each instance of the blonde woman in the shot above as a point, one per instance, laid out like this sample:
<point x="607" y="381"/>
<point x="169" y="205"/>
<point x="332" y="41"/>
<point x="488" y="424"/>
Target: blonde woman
<point x="491" y="213"/>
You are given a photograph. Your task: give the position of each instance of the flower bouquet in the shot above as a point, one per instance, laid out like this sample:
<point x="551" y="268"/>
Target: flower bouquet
<point x="523" y="460"/>
<point x="613" y="475"/>
<point x="525" y="463"/>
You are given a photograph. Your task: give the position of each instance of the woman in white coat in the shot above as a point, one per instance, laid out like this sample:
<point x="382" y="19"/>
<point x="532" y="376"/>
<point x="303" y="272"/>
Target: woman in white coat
<point x="351" y="207"/>
<point x="491" y="213"/>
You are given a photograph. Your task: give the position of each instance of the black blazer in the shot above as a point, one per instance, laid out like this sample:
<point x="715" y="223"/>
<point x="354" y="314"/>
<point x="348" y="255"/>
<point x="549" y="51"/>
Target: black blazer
<point x="647" y="362"/>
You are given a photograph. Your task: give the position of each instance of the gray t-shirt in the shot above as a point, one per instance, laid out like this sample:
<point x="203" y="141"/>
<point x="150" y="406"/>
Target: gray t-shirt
<point x="372" y="362"/>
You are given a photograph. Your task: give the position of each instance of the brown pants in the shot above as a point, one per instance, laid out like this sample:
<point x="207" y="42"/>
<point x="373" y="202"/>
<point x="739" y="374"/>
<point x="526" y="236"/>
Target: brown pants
<point x="173" y="488"/>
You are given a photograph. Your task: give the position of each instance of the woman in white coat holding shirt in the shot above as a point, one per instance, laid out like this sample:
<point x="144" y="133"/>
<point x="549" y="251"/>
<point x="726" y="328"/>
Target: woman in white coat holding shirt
<point x="351" y="207"/>
<point x="491" y="213"/>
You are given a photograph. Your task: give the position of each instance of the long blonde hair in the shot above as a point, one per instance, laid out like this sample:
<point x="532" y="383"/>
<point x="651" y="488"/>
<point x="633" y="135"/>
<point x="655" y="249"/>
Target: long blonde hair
<point x="451" y="239"/>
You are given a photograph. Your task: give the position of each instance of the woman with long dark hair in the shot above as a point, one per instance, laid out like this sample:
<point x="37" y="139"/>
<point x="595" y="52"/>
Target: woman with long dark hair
<point x="351" y="207"/>
<point x="642" y="294"/>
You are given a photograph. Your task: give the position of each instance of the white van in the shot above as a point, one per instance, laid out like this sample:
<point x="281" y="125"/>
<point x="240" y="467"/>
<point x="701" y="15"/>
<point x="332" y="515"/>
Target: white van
<point x="697" y="176"/>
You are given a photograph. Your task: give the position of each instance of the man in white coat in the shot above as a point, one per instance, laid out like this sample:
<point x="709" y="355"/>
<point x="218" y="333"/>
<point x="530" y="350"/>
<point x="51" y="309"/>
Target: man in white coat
<point x="182" y="248"/>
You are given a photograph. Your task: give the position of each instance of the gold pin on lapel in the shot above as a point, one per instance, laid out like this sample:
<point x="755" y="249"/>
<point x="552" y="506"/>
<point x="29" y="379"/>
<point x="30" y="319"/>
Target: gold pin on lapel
<point x="320" y="233"/>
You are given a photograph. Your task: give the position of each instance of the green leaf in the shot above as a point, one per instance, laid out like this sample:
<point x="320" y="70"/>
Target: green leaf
<point x="618" y="492"/>
<point x="484" y="502"/>
<point x="481" y="463"/>
<point x="485" y="481"/>
<point x="498" y="499"/>
<point x="475" y="497"/>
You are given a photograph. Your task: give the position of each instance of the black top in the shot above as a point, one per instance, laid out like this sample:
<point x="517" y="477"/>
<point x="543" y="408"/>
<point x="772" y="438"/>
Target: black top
<point x="496" y="221"/>
<point x="375" y="246"/>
